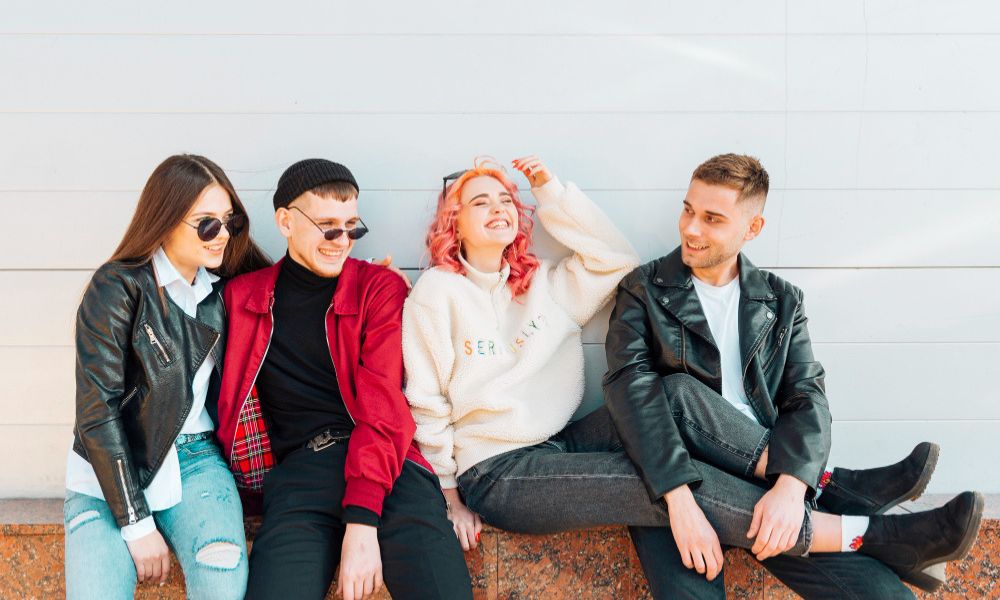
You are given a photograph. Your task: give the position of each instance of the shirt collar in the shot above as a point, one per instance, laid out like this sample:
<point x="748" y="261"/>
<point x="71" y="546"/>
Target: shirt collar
<point x="167" y="274"/>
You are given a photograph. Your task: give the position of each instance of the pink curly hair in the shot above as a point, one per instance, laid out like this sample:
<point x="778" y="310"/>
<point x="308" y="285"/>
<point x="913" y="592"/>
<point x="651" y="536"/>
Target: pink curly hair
<point x="442" y="237"/>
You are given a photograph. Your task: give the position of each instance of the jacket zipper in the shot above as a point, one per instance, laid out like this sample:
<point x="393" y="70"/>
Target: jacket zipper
<point x="781" y="336"/>
<point x="156" y="342"/>
<point x="184" y="415"/>
<point x="128" y="502"/>
<point x="270" y="312"/>
<point x="326" y="330"/>
<point x="131" y="395"/>
<point x="746" y="369"/>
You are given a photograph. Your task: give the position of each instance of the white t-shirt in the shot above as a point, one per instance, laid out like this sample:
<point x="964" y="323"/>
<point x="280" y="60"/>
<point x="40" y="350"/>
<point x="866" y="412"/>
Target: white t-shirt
<point x="722" y="310"/>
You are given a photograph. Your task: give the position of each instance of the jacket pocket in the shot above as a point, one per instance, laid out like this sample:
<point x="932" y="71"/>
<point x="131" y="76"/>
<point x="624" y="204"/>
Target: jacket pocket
<point x="777" y="349"/>
<point x="156" y="342"/>
<point x="128" y="398"/>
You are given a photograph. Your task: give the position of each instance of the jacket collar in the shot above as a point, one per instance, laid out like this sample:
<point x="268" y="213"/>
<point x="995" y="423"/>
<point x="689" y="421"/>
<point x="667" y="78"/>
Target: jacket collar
<point x="345" y="299"/>
<point x="680" y="299"/>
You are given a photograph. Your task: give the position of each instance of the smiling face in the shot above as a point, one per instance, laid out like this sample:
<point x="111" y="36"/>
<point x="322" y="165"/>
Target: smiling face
<point x="185" y="249"/>
<point x="487" y="219"/>
<point x="306" y="244"/>
<point x="714" y="225"/>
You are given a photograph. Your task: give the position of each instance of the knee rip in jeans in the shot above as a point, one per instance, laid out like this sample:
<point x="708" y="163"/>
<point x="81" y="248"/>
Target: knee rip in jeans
<point x="84" y="517"/>
<point x="219" y="555"/>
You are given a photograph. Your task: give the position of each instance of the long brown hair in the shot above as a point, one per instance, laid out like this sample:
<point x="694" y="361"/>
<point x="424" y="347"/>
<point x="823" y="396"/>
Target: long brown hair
<point x="169" y="194"/>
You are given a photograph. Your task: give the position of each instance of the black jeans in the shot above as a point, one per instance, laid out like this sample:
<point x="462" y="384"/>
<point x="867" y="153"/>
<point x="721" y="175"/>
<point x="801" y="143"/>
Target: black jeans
<point x="297" y="550"/>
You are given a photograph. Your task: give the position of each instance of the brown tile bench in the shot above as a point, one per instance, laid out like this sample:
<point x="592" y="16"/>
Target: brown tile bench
<point x="580" y="565"/>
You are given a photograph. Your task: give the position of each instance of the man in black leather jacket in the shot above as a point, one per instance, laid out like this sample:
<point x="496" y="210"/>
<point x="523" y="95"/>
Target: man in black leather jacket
<point x="705" y="338"/>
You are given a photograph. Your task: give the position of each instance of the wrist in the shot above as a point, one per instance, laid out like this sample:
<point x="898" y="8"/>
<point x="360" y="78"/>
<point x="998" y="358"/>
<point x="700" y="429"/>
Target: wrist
<point x="360" y="529"/>
<point x="680" y="494"/>
<point x="791" y="484"/>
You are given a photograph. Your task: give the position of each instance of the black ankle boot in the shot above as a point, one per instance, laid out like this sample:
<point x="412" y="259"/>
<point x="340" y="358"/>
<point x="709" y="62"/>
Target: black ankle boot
<point x="874" y="491"/>
<point x="917" y="545"/>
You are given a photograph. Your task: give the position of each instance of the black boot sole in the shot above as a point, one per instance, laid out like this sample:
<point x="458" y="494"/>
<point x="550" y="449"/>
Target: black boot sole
<point x="928" y="576"/>
<point x="921" y="484"/>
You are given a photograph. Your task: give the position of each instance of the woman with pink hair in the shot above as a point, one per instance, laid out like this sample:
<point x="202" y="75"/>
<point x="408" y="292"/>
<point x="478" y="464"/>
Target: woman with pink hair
<point x="492" y="347"/>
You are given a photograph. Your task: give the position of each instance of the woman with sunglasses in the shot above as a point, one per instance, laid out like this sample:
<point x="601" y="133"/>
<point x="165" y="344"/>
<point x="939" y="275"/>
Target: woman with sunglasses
<point x="144" y="471"/>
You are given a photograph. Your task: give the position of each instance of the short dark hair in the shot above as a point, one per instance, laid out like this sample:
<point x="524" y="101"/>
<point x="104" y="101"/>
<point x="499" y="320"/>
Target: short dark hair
<point x="337" y="190"/>
<point x="737" y="171"/>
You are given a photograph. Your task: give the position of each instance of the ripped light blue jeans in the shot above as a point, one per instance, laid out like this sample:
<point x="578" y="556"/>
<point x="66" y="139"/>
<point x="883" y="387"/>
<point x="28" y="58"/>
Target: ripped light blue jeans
<point x="205" y="532"/>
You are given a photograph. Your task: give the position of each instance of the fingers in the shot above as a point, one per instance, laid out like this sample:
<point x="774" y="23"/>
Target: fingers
<point x="460" y="534"/>
<point x="762" y="538"/>
<point x="359" y="589"/>
<point x="378" y="580"/>
<point x="758" y="514"/>
<point x="712" y="566"/>
<point x="531" y="166"/>
<point x="154" y="570"/>
<point x="473" y="535"/>
<point x="771" y="549"/>
<point x="717" y="553"/>
<point x="140" y="570"/>
<point x="519" y="162"/>
<point x="369" y="587"/>
<point x="387" y="261"/>
<point x="686" y="558"/>
<point x="699" y="561"/>
<point x="164" y="568"/>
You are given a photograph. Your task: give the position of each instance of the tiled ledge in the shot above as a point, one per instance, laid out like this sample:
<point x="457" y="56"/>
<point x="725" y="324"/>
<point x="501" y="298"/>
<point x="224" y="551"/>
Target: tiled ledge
<point x="583" y="565"/>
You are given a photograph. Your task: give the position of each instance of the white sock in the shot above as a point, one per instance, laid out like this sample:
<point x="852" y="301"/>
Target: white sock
<point x="823" y="480"/>
<point x="852" y="529"/>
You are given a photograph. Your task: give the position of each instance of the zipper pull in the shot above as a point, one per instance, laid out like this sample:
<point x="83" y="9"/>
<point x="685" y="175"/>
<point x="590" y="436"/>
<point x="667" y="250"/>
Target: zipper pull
<point x="156" y="342"/>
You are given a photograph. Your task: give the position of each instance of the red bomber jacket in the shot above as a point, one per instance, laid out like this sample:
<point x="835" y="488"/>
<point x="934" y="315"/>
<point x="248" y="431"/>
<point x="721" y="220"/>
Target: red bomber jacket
<point x="364" y="332"/>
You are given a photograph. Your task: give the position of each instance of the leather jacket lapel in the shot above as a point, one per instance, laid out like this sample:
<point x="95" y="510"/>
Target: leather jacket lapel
<point x="679" y="298"/>
<point x="757" y="310"/>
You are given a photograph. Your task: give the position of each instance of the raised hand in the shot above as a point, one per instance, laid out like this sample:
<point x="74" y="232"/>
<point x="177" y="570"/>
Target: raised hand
<point x="534" y="169"/>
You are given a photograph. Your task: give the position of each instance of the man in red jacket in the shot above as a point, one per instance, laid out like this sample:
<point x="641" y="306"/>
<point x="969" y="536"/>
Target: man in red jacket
<point x="312" y="413"/>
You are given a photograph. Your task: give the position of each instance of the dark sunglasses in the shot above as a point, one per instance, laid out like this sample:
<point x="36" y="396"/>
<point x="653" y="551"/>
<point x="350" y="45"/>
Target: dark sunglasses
<point x="452" y="177"/>
<point x="210" y="227"/>
<point x="355" y="233"/>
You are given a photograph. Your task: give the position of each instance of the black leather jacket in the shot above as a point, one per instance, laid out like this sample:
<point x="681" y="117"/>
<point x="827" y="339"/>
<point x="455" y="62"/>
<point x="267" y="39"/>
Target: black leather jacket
<point x="658" y="328"/>
<point x="136" y="356"/>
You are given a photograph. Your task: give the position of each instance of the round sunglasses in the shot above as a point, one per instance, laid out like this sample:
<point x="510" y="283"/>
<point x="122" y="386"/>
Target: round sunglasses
<point x="354" y="233"/>
<point x="209" y="228"/>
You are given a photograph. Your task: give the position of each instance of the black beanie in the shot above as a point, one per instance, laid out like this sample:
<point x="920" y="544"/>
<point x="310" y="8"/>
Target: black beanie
<point x="307" y="174"/>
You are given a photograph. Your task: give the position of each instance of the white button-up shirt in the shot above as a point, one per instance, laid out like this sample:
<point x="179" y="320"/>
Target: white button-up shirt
<point x="164" y="490"/>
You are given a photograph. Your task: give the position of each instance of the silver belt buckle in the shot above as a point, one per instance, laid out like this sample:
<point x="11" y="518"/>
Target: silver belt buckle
<point x="321" y="441"/>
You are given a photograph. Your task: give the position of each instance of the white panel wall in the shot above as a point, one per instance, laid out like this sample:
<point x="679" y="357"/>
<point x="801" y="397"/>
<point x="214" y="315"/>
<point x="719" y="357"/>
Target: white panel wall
<point x="877" y="119"/>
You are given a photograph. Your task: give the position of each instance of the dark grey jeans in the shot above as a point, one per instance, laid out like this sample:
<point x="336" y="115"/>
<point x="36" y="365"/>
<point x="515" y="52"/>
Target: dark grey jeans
<point x="716" y="432"/>
<point x="581" y="477"/>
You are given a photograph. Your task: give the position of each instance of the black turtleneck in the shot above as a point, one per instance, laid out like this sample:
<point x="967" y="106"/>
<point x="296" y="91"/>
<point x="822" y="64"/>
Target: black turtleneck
<point x="297" y="383"/>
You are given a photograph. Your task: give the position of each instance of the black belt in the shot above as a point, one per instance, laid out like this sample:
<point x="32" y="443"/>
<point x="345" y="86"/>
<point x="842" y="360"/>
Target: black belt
<point x="327" y="438"/>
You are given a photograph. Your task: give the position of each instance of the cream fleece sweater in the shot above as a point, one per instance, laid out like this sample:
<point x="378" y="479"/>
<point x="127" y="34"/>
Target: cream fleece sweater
<point x="487" y="374"/>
